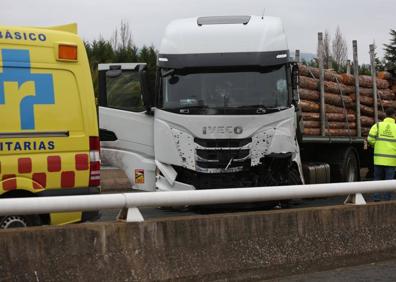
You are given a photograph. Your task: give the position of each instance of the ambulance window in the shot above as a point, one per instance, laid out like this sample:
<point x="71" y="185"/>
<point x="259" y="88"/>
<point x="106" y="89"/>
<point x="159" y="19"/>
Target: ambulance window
<point x="124" y="92"/>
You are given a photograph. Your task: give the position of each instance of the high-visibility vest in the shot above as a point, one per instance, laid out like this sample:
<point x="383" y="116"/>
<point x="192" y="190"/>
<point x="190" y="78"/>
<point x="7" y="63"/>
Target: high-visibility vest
<point x="382" y="136"/>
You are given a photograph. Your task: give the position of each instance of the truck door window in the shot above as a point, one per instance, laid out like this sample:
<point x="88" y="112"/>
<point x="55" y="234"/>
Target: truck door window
<point x="124" y="92"/>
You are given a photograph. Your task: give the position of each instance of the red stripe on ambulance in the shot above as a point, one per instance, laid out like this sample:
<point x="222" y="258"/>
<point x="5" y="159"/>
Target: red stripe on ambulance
<point x="24" y="165"/>
<point x="9" y="182"/>
<point x="54" y="163"/>
<point x="40" y="180"/>
<point x="82" y="162"/>
<point x="67" y="179"/>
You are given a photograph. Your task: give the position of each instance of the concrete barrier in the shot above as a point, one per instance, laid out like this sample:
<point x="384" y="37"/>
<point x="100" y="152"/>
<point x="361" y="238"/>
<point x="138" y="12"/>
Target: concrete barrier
<point x="243" y="246"/>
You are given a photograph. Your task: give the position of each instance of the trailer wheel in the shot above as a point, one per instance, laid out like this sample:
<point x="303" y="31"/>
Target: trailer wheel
<point x="18" y="221"/>
<point x="351" y="168"/>
<point x="347" y="168"/>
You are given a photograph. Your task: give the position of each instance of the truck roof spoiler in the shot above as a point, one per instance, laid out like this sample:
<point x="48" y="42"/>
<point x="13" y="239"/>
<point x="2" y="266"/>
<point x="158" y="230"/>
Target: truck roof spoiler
<point x="223" y="20"/>
<point x="72" y="28"/>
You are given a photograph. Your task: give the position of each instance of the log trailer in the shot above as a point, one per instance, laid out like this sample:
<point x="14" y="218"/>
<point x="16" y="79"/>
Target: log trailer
<point x="224" y="113"/>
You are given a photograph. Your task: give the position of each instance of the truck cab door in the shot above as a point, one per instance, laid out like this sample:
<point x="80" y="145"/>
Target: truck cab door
<point x="125" y="127"/>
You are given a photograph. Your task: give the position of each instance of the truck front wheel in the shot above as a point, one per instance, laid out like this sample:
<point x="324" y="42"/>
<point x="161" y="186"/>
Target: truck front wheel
<point x="294" y="177"/>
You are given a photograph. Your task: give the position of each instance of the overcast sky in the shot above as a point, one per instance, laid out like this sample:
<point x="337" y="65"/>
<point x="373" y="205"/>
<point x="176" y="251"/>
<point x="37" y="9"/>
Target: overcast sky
<point x="362" y="20"/>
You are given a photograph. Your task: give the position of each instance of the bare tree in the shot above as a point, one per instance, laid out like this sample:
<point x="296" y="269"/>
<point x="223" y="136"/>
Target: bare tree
<point x="121" y="38"/>
<point x="114" y="39"/>
<point x="125" y="35"/>
<point x="340" y="49"/>
<point x="326" y="52"/>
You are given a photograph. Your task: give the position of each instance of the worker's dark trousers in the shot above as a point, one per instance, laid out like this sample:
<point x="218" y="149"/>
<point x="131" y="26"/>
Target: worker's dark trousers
<point x="383" y="173"/>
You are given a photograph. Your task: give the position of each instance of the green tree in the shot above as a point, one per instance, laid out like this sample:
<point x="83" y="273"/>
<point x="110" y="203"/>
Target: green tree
<point x="148" y="55"/>
<point x="99" y="51"/>
<point x="120" y="49"/>
<point x="365" y="69"/>
<point x="390" y="52"/>
<point x="379" y="64"/>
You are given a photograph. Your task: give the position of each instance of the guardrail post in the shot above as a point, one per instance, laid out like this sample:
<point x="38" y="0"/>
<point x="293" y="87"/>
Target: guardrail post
<point x="130" y="215"/>
<point x="355" y="199"/>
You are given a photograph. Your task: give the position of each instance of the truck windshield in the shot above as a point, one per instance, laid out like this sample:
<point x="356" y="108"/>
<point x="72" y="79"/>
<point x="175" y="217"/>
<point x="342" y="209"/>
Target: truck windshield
<point x="226" y="91"/>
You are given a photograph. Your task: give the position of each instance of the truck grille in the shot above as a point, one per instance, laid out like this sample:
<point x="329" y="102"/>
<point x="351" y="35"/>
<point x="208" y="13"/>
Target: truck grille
<point x="222" y="155"/>
<point x="216" y="180"/>
<point x="223" y="143"/>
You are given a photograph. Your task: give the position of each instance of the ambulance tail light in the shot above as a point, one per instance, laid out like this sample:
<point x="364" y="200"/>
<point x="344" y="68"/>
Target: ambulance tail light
<point x="94" y="154"/>
<point x="67" y="52"/>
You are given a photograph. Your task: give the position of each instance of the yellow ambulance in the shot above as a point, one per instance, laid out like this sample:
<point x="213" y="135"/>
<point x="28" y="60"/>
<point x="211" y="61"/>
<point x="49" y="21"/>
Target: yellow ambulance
<point x="49" y="144"/>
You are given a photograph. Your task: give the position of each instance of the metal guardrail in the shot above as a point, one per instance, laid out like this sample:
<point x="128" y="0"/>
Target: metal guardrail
<point x="132" y="201"/>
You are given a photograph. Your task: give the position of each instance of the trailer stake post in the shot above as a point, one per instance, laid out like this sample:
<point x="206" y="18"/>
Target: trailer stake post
<point x="297" y="56"/>
<point x="321" y="82"/>
<point x="374" y="76"/>
<point x="357" y="87"/>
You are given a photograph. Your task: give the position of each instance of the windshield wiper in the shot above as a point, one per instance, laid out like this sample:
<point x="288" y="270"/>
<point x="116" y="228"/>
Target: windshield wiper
<point x="276" y="109"/>
<point x="260" y="109"/>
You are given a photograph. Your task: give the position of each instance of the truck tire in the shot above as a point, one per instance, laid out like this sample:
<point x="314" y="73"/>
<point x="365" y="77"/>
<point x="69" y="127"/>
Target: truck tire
<point x="18" y="221"/>
<point x="346" y="169"/>
<point x="293" y="179"/>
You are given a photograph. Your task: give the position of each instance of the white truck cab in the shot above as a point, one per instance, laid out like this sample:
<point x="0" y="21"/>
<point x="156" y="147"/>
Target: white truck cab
<point x="222" y="114"/>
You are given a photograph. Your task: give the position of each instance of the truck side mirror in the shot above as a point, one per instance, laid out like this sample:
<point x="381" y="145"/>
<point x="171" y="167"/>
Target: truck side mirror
<point x="148" y="97"/>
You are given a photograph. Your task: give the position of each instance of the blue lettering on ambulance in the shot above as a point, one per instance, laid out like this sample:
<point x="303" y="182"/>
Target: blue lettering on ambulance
<point x="17" y="146"/>
<point x="8" y="35"/>
<point x="32" y="36"/>
<point x="42" y="146"/>
<point x="27" y="146"/>
<point x="51" y="145"/>
<point x="16" y="68"/>
<point x="42" y="37"/>
<point x="17" y="35"/>
<point x="8" y="145"/>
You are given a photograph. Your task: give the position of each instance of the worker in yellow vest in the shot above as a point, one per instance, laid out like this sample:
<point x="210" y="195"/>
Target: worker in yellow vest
<point x="382" y="137"/>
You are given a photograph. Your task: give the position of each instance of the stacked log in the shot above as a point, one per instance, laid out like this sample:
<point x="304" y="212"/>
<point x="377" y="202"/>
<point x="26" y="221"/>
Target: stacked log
<point x="340" y="101"/>
<point x="386" y="96"/>
<point x="392" y="82"/>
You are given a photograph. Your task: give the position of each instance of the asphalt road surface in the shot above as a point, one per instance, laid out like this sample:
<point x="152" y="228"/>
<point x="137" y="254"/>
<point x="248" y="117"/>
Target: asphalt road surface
<point x="378" y="271"/>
